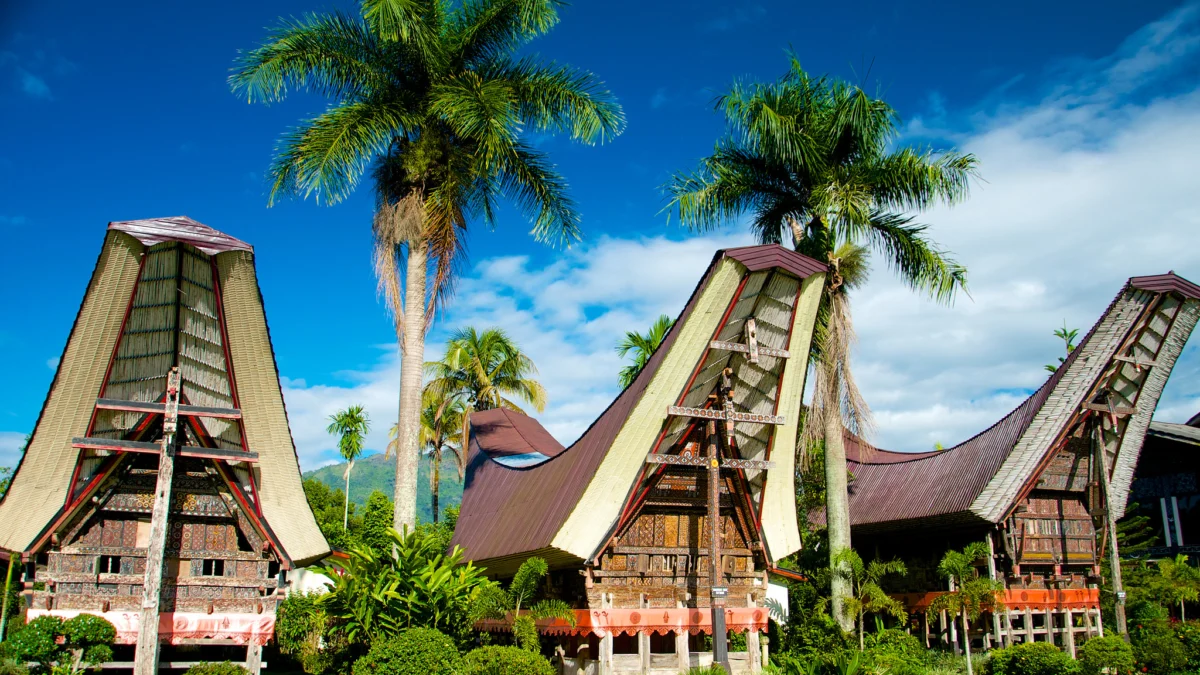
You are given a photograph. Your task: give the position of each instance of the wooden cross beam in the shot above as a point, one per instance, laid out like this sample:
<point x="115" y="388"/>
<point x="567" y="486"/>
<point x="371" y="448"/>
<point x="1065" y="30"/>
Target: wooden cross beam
<point x="1137" y="363"/>
<point x="156" y="448"/>
<point x="751" y="347"/>
<point x="160" y="407"/>
<point x="688" y="459"/>
<point x="723" y="415"/>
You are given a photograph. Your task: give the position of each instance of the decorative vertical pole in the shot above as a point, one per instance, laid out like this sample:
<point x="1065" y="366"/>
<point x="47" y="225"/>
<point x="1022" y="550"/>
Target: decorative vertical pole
<point x="682" y="650"/>
<point x="716" y="578"/>
<point x="1110" y="523"/>
<point x="146" y="658"/>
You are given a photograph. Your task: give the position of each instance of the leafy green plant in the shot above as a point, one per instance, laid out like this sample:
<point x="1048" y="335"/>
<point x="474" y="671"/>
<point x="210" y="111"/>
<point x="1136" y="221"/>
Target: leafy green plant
<point x="217" y="668"/>
<point x="642" y="346"/>
<point x="1068" y="337"/>
<point x="416" y="651"/>
<point x="496" y="603"/>
<point x="494" y="660"/>
<point x="1176" y="583"/>
<point x="897" y="652"/>
<point x="1109" y="654"/>
<point x="972" y="593"/>
<point x="1031" y="658"/>
<point x="1188" y="633"/>
<point x="376" y="595"/>
<point x="59" y="646"/>
<point x="1159" y="652"/>
<point x="790" y="664"/>
<point x="10" y="666"/>
<point x="865" y="593"/>
<point x="351" y="427"/>
<point x="304" y="632"/>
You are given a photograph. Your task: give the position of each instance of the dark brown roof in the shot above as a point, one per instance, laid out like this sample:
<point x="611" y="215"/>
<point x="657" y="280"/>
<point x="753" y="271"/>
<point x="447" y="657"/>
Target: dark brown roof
<point x="1166" y="283"/>
<point x="151" y="231"/>
<point x="511" y="510"/>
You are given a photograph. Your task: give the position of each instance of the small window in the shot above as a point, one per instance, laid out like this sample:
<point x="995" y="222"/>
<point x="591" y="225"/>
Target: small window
<point x="109" y="564"/>
<point x="213" y="568"/>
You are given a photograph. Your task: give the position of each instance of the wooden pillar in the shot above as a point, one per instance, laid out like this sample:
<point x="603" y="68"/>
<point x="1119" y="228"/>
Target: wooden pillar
<point x="682" y="650"/>
<point x="1070" y="621"/>
<point x="1099" y="623"/>
<point x="925" y="628"/>
<point x="1110" y="522"/>
<point x="604" y="660"/>
<point x="644" y="640"/>
<point x="1087" y="623"/>
<point x="754" y="651"/>
<point x="992" y="573"/>
<point x="254" y="658"/>
<point x="146" y="657"/>
<point x="1008" y="632"/>
<point x="1029" y="626"/>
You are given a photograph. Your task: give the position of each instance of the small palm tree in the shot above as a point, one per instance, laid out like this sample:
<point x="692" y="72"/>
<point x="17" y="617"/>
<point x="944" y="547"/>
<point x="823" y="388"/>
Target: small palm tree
<point x="866" y="594"/>
<point x="818" y="159"/>
<point x="442" y="434"/>
<point x="642" y="346"/>
<point x="1177" y="582"/>
<point x="971" y="594"/>
<point x="432" y="99"/>
<point x="1068" y="338"/>
<point x="484" y="370"/>
<point x="351" y="427"/>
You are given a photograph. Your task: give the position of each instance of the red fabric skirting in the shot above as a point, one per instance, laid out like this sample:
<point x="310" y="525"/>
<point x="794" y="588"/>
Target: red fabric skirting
<point x="661" y="621"/>
<point x="1018" y="599"/>
<point x="179" y="627"/>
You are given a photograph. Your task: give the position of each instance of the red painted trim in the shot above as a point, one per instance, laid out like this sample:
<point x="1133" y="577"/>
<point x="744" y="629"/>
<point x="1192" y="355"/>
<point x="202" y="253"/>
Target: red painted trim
<point x="69" y="510"/>
<point x="262" y="526"/>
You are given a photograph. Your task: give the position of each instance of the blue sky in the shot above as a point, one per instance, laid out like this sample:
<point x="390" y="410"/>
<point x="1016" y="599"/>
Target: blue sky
<point x="1086" y="119"/>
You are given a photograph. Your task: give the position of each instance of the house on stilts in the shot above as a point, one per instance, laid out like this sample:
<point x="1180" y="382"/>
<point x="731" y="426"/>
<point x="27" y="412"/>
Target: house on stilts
<point x="680" y="497"/>
<point x="1043" y="487"/>
<point x="161" y="488"/>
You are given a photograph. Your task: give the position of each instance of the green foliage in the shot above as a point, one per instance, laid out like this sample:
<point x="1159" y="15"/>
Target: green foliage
<point x="377" y="472"/>
<point x="1188" y="633"/>
<point x="351" y="427"/>
<point x="75" y="644"/>
<point x="1068" y="338"/>
<point x="328" y="504"/>
<point x="897" y="652"/>
<point x="496" y="603"/>
<point x="304" y="632"/>
<point x="217" y="668"/>
<point x="494" y="660"/>
<point x="1032" y="658"/>
<point x="376" y="595"/>
<point x="1109" y="654"/>
<point x="414" y="651"/>
<point x="1177" y="582"/>
<point x="526" y="581"/>
<point x="10" y="666"/>
<point x="642" y="346"/>
<point x="376" y="521"/>
<point x="864" y="580"/>
<point x="485" y="370"/>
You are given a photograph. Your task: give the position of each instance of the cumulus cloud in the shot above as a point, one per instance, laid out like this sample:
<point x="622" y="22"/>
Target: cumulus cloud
<point x="1083" y="188"/>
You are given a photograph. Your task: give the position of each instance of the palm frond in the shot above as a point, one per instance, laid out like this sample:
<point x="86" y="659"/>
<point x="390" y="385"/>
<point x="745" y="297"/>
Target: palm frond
<point x="920" y="264"/>
<point x="553" y="97"/>
<point x="484" y="29"/>
<point x="541" y="192"/>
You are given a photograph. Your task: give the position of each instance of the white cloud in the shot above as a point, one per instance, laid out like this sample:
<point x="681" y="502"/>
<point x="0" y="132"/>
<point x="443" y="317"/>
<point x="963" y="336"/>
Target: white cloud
<point x="52" y="362"/>
<point x="10" y="448"/>
<point x="1082" y="190"/>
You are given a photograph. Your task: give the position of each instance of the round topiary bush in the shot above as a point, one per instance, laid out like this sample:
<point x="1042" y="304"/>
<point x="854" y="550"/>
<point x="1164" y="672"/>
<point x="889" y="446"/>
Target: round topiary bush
<point x="1111" y="652"/>
<point x="416" y="651"/>
<point x="897" y="651"/>
<point x="1031" y="658"/>
<point x="503" y="661"/>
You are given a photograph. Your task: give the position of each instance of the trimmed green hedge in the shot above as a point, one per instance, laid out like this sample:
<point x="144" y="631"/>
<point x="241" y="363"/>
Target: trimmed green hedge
<point x="416" y="651"/>
<point x="504" y="661"/>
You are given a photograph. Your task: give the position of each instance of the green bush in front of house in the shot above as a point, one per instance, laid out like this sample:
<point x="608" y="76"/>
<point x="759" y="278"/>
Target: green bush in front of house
<point x="416" y="651"/>
<point x="504" y="661"/>
<point x="1031" y="658"/>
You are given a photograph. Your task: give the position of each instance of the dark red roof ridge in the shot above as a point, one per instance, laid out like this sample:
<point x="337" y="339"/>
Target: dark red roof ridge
<point x="1165" y="283"/>
<point x="151" y="231"/>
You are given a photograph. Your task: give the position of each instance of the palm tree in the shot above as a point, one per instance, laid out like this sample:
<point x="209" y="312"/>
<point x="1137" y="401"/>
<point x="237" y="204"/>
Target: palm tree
<point x="351" y="427"/>
<point x="866" y="593"/>
<point x="815" y="157"/>
<point x="441" y="433"/>
<point x="485" y="370"/>
<point x="431" y="97"/>
<point x="970" y="594"/>
<point x="643" y="347"/>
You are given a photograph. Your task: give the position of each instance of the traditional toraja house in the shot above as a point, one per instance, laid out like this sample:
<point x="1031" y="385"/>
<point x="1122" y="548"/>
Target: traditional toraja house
<point x="624" y="516"/>
<point x="1166" y="487"/>
<point x="161" y="488"/>
<point x="1043" y="486"/>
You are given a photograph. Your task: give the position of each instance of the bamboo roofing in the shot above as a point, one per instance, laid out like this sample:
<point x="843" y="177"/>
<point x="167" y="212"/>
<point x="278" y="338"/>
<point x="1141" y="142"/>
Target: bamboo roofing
<point x="152" y="301"/>
<point x="512" y="510"/>
<point x="895" y="491"/>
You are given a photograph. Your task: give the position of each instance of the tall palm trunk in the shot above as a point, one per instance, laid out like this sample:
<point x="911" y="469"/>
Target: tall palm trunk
<point x="967" y="640"/>
<point x="435" y="480"/>
<point x="837" y="514"/>
<point x="412" y="364"/>
<point x="346" y="509"/>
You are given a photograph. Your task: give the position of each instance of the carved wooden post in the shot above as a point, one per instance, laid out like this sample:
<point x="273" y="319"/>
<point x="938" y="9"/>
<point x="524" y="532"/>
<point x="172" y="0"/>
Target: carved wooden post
<point x="719" y="635"/>
<point x="1110" y="522"/>
<point x="146" y="658"/>
<point x="682" y="650"/>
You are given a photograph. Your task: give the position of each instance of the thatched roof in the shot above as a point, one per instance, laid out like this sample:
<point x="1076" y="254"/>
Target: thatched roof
<point x="527" y="495"/>
<point x="165" y="291"/>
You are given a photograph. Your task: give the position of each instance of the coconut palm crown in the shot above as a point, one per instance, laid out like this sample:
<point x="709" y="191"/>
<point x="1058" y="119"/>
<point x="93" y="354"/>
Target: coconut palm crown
<point x="639" y="347"/>
<point x="430" y="98"/>
<point x="818" y="158"/>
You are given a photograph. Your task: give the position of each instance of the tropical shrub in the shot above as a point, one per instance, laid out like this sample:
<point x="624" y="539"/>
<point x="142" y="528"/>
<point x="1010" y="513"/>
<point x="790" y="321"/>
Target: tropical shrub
<point x="10" y="666"/>
<point x="217" y="668"/>
<point x="75" y="644"/>
<point x="897" y="652"/>
<point x="497" y="603"/>
<point x="1031" y="658"/>
<point x="416" y="651"/>
<point x="378" y="594"/>
<point x="1160" y="653"/>
<point x="504" y="661"/>
<point x="1110" y="652"/>
<point x="305" y="633"/>
<point x="1188" y="633"/>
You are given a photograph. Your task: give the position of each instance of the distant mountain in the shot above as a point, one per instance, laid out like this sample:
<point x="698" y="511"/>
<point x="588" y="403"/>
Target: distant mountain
<point x="374" y="472"/>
